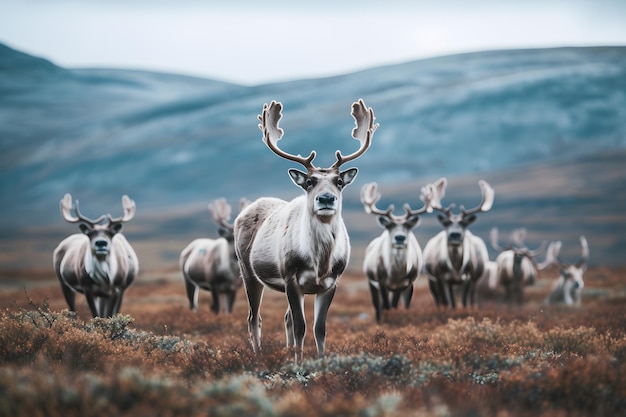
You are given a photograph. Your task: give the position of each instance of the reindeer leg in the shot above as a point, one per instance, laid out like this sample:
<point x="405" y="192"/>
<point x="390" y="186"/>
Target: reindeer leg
<point x="296" y="306"/>
<point x="230" y="301"/>
<point x="289" y="328"/>
<point x="437" y="291"/>
<point x="192" y="294"/>
<point x="384" y="292"/>
<point x="117" y="302"/>
<point x="376" y="301"/>
<point x="92" y="304"/>
<point x="70" y="296"/>
<point x="451" y="296"/>
<point x="215" y="303"/>
<point x="322" y="304"/>
<point x="395" y="298"/>
<point x="407" y="295"/>
<point x="254" y="292"/>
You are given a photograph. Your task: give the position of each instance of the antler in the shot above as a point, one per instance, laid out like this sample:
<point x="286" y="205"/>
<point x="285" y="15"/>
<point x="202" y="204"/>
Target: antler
<point x="518" y="237"/>
<point x="269" y="119"/>
<point x="66" y="209"/>
<point x="552" y="256"/>
<point x="369" y="198"/>
<point x="129" y="211"/>
<point x="487" y="201"/>
<point x="493" y="239"/>
<point x="434" y="193"/>
<point x="363" y="132"/>
<point x="221" y="212"/>
<point x="585" y="252"/>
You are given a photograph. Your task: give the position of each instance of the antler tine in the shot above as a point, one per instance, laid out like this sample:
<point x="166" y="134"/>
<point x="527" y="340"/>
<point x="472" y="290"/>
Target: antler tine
<point x="585" y="252"/>
<point x="436" y="191"/>
<point x="269" y="119"/>
<point x="430" y="195"/>
<point x="129" y="207"/>
<point x="221" y="212"/>
<point x="369" y="198"/>
<point x="487" y="200"/>
<point x="493" y="239"/>
<point x="518" y="237"/>
<point x="552" y="256"/>
<point x="536" y="252"/>
<point x="363" y="132"/>
<point x="66" y="211"/>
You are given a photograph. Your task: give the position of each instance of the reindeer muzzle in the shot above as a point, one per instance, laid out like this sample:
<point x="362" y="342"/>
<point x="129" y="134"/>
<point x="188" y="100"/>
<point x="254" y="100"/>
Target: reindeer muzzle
<point x="101" y="247"/>
<point x="326" y="204"/>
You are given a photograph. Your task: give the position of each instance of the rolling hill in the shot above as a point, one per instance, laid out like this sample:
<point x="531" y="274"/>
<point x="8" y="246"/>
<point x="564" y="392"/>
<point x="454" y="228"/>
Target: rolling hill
<point x="546" y="127"/>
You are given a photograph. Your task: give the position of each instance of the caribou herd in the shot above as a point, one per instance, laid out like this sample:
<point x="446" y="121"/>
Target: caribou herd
<point x="302" y="247"/>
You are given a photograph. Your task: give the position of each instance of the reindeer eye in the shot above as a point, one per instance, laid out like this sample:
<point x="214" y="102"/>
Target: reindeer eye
<point x="339" y="182"/>
<point x="309" y="182"/>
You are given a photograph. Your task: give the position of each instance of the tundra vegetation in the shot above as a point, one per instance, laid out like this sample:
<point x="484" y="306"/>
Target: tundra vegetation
<point x="161" y="359"/>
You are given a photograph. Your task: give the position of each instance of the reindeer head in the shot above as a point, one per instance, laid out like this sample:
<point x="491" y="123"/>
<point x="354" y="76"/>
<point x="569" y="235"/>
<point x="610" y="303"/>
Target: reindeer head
<point x="517" y="244"/>
<point x="323" y="186"/>
<point x="455" y="225"/>
<point x="572" y="274"/>
<point x="398" y="227"/>
<point x="99" y="235"/>
<point x="221" y="212"/>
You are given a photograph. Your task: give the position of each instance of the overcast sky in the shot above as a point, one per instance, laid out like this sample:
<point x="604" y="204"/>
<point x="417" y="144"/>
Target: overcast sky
<point x="253" y="42"/>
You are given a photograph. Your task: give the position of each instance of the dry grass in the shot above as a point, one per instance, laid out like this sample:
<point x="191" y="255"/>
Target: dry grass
<point x="158" y="358"/>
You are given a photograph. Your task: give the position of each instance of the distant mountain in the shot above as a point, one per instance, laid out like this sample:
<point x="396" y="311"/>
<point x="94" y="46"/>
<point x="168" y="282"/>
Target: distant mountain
<point x="174" y="143"/>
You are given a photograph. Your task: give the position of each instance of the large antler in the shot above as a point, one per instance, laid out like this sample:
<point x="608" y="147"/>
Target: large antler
<point x="363" y="132"/>
<point x="585" y="252"/>
<point x="487" y="201"/>
<point x="269" y="119"/>
<point x="434" y="193"/>
<point x="129" y="211"/>
<point x="221" y="212"/>
<point x="66" y="211"/>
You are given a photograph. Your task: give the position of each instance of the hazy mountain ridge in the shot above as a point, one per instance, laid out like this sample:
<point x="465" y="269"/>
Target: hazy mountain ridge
<point x="172" y="141"/>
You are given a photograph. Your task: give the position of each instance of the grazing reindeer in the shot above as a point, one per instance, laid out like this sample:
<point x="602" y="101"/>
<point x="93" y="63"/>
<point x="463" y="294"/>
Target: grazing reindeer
<point x="393" y="260"/>
<point x="568" y="287"/>
<point x="455" y="256"/>
<point x="516" y="264"/>
<point x="99" y="262"/>
<point x="302" y="246"/>
<point x="211" y="264"/>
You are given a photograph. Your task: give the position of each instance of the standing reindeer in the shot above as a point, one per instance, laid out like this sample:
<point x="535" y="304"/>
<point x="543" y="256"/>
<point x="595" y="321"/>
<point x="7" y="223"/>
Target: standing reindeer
<point x="568" y="287"/>
<point x="211" y="264"/>
<point x="393" y="260"/>
<point x="516" y="264"/>
<point x="99" y="262"/>
<point x="302" y="246"/>
<point x="455" y="256"/>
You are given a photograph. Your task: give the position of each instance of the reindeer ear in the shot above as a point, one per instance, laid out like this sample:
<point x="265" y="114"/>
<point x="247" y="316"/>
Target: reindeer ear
<point x="412" y="221"/>
<point x="469" y="219"/>
<point x="116" y="227"/>
<point x="298" y="177"/>
<point x="383" y="221"/>
<point x="348" y="176"/>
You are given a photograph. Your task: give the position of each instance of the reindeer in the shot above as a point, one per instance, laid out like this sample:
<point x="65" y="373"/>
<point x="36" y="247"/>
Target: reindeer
<point x="516" y="264"/>
<point x="99" y="262"/>
<point x="302" y="246"/>
<point x="568" y="287"/>
<point x="455" y="256"/>
<point x="211" y="264"/>
<point x="393" y="260"/>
